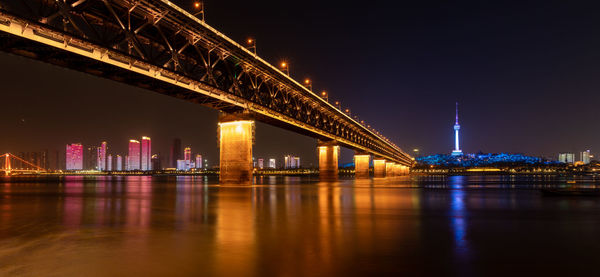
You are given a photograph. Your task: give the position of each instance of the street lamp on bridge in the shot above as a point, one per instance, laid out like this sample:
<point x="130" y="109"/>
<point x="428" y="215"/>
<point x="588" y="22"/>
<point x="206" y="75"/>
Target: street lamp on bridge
<point x="325" y="96"/>
<point x="308" y="84"/>
<point x="199" y="6"/>
<point x="337" y="104"/>
<point x="251" y="44"/>
<point x="348" y="111"/>
<point x="285" y="66"/>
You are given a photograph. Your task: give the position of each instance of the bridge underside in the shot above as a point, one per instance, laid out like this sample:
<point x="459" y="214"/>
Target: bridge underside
<point x="49" y="54"/>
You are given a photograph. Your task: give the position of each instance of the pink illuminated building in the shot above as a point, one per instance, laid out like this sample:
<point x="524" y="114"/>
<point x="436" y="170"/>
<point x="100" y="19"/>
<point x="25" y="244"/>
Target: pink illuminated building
<point x="198" y="161"/>
<point x="101" y="157"/>
<point x="187" y="154"/>
<point x="146" y="153"/>
<point x="74" y="156"/>
<point x="133" y="159"/>
<point x="119" y="163"/>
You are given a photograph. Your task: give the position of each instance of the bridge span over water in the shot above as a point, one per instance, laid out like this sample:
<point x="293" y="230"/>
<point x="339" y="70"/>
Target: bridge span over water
<point x="155" y="45"/>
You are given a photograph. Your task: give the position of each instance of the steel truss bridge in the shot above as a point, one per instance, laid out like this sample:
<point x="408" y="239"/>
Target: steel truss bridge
<point x="155" y="45"/>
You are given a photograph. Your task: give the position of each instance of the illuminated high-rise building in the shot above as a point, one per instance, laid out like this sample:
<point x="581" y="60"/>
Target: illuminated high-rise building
<point x="101" y="156"/>
<point x="155" y="160"/>
<point x="456" y="151"/>
<point x="119" y="163"/>
<point x="272" y="163"/>
<point x="109" y="162"/>
<point x="187" y="154"/>
<point x="291" y="162"/>
<point x="261" y="163"/>
<point x="90" y="158"/>
<point x="198" y="161"/>
<point x="146" y="153"/>
<point x="567" y="158"/>
<point x="585" y="156"/>
<point x="133" y="159"/>
<point x="74" y="156"/>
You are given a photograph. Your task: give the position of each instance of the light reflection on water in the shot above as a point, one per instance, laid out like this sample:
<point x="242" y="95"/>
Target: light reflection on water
<point x="293" y="226"/>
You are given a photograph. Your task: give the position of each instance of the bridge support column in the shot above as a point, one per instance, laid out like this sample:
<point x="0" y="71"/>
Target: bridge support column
<point x="328" y="161"/>
<point x="389" y="169"/>
<point x="361" y="165"/>
<point x="236" y="136"/>
<point x="379" y="168"/>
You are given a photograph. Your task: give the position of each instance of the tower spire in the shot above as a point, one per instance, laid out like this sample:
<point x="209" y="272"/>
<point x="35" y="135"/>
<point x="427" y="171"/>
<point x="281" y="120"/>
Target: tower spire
<point x="456" y="113"/>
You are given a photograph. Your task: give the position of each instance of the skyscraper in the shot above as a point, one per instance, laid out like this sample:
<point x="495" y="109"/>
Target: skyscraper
<point x="175" y="153"/>
<point x="101" y="156"/>
<point x="290" y="162"/>
<point x="119" y="166"/>
<point x="585" y="156"/>
<point x="456" y="151"/>
<point x="198" y="161"/>
<point x="261" y="163"/>
<point x="568" y="158"/>
<point x="74" y="156"/>
<point x="146" y="153"/>
<point x="272" y="163"/>
<point x="155" y="160"/>
<point x="187" y="154"/>
<point x="91" y="158"/>
<point x="109" y="162"/>
<point x="133" y="159"/>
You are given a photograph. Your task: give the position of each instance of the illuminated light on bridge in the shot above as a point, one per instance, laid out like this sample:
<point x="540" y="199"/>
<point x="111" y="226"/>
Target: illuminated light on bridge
<point x="8" y="169"/>
<point x="183" y="57"/>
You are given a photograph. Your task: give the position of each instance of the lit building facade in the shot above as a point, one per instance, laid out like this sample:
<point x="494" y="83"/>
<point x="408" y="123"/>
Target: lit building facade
<point x="146" y="154"/>
<point x="272" y="163"/>
<point x="456" y="151"/>
<point x="568" y="158"/>
<point x="187" y="154"/>
<point x="133" y="159"/>
<point x="198" y="161"/>
<point x="585" y="156"/>
<point x="155" y="160"/>
<point x="74" y="156"/>
<point x="261" y="163"/>
<point x="291" y="162"/>
<point x="101" y="156"/>
<point x="119" y="163"/>
<point x="109" y="162"/>
<point x="185" y="165"/>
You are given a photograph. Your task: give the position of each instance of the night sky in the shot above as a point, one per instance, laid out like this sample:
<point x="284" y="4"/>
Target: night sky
<point x="526" y="75"/>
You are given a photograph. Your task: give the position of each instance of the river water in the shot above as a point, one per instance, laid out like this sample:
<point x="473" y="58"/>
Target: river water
<point x="296" y="226"/>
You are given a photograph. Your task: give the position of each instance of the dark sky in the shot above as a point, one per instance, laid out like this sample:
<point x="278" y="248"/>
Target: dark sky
<point x="526" y="74"/>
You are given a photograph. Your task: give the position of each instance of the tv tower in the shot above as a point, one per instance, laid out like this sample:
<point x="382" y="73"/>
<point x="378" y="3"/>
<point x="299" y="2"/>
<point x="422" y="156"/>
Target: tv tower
<point x="456" y="151"/>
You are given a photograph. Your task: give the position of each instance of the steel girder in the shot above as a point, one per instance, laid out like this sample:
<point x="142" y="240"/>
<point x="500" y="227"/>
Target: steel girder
<point x="155" y="45"/>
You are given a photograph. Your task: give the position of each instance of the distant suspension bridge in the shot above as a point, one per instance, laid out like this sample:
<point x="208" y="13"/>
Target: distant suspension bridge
<point x="8" y="160"/>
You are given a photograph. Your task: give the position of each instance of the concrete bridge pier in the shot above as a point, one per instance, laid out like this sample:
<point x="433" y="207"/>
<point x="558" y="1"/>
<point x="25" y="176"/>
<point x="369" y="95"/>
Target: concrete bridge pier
<point x="361" y="165"/>
<point x="328" y="161"/>
<point x="389" y="169"/>
<point x="236" y="136"/>
<point x="379" y="168"/>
